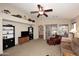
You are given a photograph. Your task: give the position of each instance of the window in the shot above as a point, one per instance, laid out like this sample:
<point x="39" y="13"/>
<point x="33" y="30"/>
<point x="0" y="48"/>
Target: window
<point x="50" y="30"/>
<point x="73" y="30"/>
<point x="63" y="30"/>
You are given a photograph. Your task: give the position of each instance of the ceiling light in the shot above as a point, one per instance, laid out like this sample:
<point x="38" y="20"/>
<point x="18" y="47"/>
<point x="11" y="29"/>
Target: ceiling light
<point x="41" y="12"/>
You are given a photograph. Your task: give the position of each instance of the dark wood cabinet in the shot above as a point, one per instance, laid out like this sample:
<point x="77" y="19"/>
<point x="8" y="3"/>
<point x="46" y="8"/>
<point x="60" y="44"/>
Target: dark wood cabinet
<point x="8" y="36"/>
<point x="8" y="43"/>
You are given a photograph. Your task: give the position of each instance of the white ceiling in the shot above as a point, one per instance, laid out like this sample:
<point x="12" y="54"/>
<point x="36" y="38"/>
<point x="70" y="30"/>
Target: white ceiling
<point x="62" y="10"/>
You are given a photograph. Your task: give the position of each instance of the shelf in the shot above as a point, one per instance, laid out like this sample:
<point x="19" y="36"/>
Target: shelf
<point x="8" y="38"/>
<point x="14" y="19"/>
<point x="8" y="29"/>
<point x="8" y="34"/>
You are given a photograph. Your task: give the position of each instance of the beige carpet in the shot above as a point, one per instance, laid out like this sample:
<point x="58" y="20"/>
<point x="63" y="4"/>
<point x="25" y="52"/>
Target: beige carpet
<point x="34" y="48"/>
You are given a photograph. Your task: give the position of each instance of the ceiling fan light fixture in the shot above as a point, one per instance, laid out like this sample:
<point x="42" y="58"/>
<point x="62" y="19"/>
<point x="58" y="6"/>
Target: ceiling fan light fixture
<point x="41" y="12"/>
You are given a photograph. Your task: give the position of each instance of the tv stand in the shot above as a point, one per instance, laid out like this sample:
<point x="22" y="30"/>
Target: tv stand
<point x="22" y="40"/>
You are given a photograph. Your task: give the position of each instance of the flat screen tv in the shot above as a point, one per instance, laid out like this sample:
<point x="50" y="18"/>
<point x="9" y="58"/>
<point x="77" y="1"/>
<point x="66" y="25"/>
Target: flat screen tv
<point x="24" y="33"/>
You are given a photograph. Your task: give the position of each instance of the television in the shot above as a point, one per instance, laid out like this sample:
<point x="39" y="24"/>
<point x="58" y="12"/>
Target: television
<point x="24" y="33"/>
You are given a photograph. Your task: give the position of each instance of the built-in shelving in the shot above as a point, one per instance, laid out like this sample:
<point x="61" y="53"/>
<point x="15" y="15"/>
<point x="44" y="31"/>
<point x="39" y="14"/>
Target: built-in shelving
<point x="8" y="36"/>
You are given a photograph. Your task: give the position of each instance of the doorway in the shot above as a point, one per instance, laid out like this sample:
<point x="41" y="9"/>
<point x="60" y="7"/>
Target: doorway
<point x="41" y="31"/>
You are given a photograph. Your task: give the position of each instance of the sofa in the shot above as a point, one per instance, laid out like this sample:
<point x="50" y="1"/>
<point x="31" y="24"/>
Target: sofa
<point x="70" y="47"/>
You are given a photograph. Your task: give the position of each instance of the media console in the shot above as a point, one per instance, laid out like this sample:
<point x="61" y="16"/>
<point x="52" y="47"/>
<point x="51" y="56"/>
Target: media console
<point x="22" y="40"/>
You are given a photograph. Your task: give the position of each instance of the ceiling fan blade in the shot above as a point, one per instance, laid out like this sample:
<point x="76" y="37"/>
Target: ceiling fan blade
<point x="39" y="6"/>
<point x="33" y="12"/>
<point x="38" y="15"/>
<point x="45" y="15"/>
<point x="48" y="10"/>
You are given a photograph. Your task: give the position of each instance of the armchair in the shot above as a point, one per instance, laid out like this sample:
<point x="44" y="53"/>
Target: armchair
<point x="54" y="40"/>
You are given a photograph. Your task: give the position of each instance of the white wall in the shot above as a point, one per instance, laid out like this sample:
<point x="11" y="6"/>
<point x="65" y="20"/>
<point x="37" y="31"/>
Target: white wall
<point x="35" y="31"/>
<point x="18" y="28"/>
<point x="77" y="21"/>
<point x="1" y="41"/>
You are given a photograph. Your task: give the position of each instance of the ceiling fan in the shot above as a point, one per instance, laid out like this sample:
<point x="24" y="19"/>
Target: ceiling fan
<point x="41" y="11"/>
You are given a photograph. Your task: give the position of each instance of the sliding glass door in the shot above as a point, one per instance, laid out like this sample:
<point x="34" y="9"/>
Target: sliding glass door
<point x="50" y="30"/>
<point x="61" y="29"/>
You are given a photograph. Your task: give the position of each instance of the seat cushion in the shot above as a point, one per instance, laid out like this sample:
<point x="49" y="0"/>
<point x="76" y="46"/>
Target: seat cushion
<point x="75" y="46"/>
<point x="68" y="54"/>
<point x="66" y="45"/>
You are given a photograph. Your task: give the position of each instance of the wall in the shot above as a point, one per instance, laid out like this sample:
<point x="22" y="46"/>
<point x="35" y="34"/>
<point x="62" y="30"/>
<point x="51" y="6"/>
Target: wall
<point x="45" y="21"/>
<point x="35" y="31"/>
<point x="77" y="21"/>
<point x="18" y="28"/>
<point x="1" y="41"/>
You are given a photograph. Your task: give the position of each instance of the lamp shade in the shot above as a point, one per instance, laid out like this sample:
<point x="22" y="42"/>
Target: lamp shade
<point x="73" y="31"/>
<point x="77" y="35"/>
